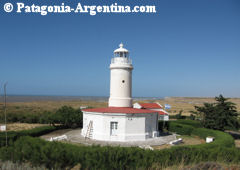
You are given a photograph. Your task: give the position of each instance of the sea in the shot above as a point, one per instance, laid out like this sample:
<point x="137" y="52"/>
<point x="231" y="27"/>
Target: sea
<point x="30" y="98"/>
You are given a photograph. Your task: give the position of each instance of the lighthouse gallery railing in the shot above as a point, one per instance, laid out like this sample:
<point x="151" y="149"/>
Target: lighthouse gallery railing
<point x="122" y="60"/>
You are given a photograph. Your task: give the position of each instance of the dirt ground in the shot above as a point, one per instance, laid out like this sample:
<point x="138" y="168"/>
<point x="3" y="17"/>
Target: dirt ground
<point x="22" y="126"/>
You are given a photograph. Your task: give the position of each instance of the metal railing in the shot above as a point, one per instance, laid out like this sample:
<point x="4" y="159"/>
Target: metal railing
<point x="122" y="60"/>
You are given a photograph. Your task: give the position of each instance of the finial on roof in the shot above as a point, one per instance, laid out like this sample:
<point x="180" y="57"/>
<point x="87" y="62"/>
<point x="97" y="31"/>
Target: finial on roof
<point x="121" y="45"/>
<point x="121" y="49"/>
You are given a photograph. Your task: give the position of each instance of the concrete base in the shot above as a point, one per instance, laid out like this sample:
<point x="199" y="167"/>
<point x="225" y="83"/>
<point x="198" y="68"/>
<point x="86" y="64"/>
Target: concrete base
<point x="75" y="136"/>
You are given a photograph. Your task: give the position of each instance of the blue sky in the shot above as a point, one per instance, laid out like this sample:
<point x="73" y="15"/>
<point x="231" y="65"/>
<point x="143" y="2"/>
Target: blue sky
<point x="188" y="48"/>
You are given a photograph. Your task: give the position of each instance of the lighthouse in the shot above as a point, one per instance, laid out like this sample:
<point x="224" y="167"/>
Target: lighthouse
<point x="120" y="121"/>
<point x="120" y="79"/>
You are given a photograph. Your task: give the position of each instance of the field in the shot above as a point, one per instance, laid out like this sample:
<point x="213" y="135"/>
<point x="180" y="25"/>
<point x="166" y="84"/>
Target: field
<point x="40" y="104"/>
<point x="186" y="104"/>
<point x="22" y="126"/>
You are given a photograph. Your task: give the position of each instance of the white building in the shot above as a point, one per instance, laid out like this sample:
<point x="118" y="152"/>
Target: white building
<point x="120" y="121"/>
<point x="162" y="114"/>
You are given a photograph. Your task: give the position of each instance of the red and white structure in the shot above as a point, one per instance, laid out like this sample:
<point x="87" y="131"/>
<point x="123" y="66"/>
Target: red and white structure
<point x="120" y="121"/>
<point x="162" y="114"/>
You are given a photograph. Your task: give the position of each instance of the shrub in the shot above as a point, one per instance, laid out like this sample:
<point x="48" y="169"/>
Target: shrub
<point x="180" y="129"/>
<point x="183" y="127"/>
<point x="221" y="115"/>
<point x="56" y="155"/>
<point x="194" y="123"/>
<point x="163" y="125"/>
<point x="221" y="139"/>
<point x="27" y="117"/>
<point x="14" y="135"/>
<point x="178" y="117"/>
<point x="68" y="117"/>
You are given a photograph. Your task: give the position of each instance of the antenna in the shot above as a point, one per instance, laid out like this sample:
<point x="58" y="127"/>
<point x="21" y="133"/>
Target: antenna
<point x="5" y="108"/>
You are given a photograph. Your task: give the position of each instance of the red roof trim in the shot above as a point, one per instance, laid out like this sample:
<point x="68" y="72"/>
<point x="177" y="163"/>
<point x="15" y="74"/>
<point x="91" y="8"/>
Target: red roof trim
<point x="127" y="110"/>
<point x="150" y="105"/>
<point x="162" y="113"/>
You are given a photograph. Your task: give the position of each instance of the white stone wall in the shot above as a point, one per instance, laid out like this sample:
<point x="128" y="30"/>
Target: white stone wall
<point x="120" y="84"/>
<point x="131" y="127"/>
<point x="135" y="127"/>
<point x="162" y="117"/>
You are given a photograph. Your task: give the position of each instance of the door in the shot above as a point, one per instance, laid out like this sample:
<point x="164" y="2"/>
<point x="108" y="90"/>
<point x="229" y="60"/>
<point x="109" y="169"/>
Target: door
<point x="113" y="128"/>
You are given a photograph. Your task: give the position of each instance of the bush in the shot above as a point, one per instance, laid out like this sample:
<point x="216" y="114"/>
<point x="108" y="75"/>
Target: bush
<point x="68" y="117"/>
<point x="28" y="117"/>
<point x="180" y="129"/>
<point x="58" y="155"/>
<point x="14" y="135"/>
<point x="163" y="125"/>
<point x="221" y="139"/>
<point x="221" y="115"/>
<point x="183" y="127"/>
<point x="178" y="117"/>
<point x="194" y="123"/>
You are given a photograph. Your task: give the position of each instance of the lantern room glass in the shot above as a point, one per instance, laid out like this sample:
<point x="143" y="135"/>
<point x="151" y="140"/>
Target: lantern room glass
<point x="121" y="54"/>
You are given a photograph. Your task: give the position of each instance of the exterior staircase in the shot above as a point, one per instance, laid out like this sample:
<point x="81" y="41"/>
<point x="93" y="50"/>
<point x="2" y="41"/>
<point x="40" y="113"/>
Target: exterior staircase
<point x="89" y="132"/>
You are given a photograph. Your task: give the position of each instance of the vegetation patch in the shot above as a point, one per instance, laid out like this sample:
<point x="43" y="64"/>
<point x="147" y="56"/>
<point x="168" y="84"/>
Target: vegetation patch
<point x="237" y="143"/>
<point x="22" y="147"/>
<point x="191" y="140"/>
<point x="180" y="128"/>
<point x="61" y="155"/>
<point x="221" y="115"/>
<point x="8" y="165"/>
<point x="65" y="116"/>
<point x="23" y="126"/>
<point x="14" y="135"/>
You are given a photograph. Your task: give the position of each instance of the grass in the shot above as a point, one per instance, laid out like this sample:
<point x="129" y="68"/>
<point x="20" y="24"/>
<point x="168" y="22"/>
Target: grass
<point x="187" y="140"/>
<point x="41" y="106"/>
<point x="187" y="103"/>
<point x="178" y="103"/>
<point x="204" y="166"/>
<point x="22" y="126"/>
<point x="198" y="166"/>
<point x="165" y="146"/>
<point x="8" y="165"/>
<point x="237" y="143"/>
<point x="191" y="140"/>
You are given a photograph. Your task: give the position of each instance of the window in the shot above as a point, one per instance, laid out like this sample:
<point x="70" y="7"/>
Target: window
<point x="121" y="54"/>
<point x="113" y="128"/>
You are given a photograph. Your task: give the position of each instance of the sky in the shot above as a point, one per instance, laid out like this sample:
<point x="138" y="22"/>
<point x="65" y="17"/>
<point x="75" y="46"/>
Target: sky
<point x="188" y="48"/>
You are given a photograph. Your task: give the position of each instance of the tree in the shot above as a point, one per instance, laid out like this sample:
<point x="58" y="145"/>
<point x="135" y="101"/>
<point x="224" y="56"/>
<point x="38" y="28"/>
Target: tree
<point x="221" y="115"/>
<point x="68" y="117"/>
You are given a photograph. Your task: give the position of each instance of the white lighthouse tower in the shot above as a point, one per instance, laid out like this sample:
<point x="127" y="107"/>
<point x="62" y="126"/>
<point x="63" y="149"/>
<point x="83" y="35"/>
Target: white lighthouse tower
<point x="121" y="79"/>
<point x="120" y="121"/>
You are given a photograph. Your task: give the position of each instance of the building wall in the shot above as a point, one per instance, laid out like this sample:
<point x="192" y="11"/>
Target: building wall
<point x="120" y="86"/>
<point x="152" y="125"/>
<point x="162" y="117"/>
<point x="135" y="127"/>
<point x="131" y="127"/>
